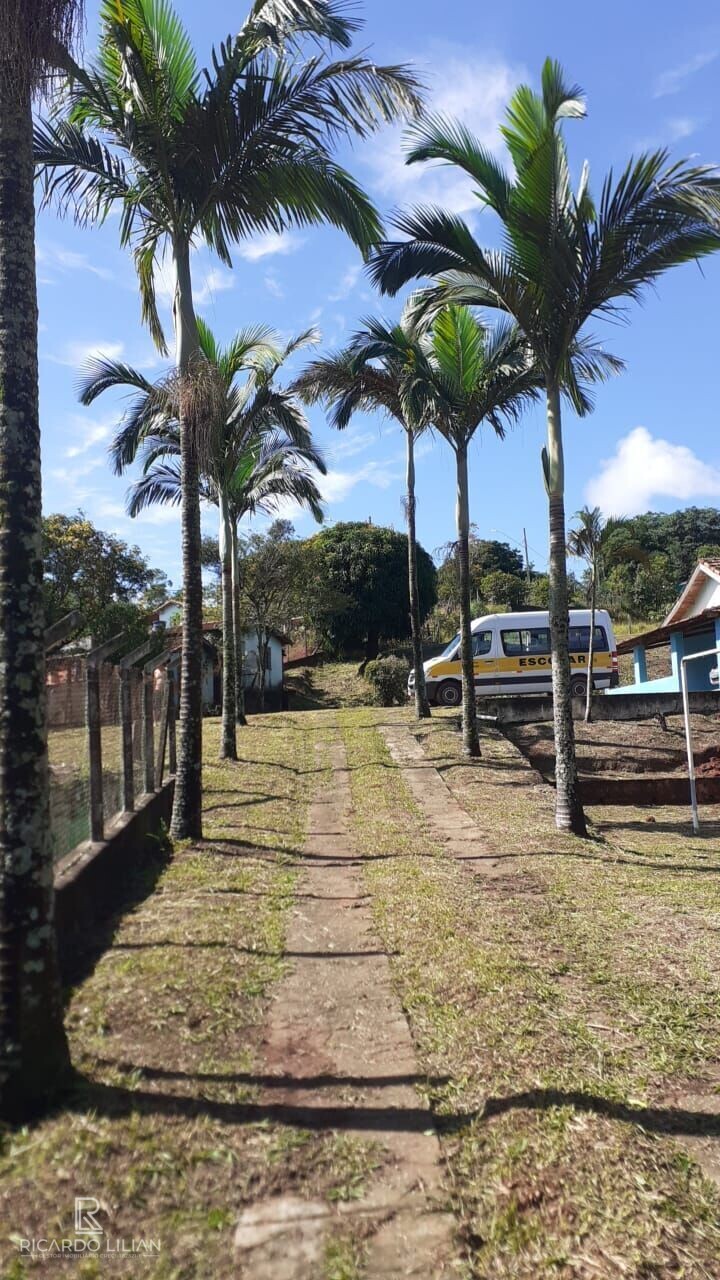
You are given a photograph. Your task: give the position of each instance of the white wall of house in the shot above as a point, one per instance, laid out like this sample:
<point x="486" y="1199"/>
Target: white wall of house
<point x="170" y="612"/>
<point x="274" y="674"/>
<point x="708" y="597"/>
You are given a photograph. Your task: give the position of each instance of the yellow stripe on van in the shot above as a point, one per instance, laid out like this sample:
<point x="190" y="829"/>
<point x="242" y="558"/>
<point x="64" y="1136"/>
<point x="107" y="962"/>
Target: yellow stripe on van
<point x="524" y="664"/>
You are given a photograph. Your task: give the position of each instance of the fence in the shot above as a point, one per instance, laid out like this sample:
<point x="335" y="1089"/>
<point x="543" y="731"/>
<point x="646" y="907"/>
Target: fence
<point x="111" y="735"/>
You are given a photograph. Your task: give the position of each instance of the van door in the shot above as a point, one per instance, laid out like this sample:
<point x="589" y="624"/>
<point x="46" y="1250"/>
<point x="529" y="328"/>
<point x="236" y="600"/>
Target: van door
<point x="484" y="662"/>
<point x="526" y="664"/>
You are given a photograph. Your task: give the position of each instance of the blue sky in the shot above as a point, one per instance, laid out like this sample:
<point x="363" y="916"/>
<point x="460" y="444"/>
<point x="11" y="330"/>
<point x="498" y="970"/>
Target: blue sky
<point x="651" y="77"/>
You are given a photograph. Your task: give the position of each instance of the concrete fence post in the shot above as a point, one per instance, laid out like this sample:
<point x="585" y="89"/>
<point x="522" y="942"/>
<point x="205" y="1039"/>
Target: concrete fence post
<point x="92" y="712"/>
<point x="127" y="740"/>
<point x="162" y="741"/>
<point x="148" y="731"/>
<point x="172" y="717"/>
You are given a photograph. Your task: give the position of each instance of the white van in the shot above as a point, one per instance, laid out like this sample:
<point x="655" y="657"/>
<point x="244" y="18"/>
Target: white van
<point x="512" y="655"/>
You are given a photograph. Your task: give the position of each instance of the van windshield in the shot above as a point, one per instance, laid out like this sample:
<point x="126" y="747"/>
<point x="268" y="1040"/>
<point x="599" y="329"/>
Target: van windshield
<point x="452" y="645"/>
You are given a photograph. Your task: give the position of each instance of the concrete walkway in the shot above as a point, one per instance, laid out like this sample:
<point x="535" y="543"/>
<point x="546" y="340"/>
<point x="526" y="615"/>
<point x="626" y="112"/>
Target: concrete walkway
<point x="340" y="1046"/>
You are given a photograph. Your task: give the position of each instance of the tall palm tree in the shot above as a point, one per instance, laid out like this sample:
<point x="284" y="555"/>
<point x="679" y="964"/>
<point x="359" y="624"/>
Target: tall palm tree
<point x="600" y="543"/>
<point x="256" y="449"/>
<point x="33" y="1051"/>
<point x="563" y="261"/>
<point x="188" y="155"/>
<point x="371" y="375"/>
<point x="469" y="375"/>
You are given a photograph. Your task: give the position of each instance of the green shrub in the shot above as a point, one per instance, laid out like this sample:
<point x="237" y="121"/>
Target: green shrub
<point x="388" y="677"/>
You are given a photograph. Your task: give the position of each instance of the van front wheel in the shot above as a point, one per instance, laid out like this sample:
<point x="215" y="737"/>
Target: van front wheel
<point x="449" y="694"/>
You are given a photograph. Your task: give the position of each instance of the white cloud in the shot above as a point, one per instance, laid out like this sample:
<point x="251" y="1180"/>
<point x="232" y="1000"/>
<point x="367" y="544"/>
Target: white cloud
<point x="346" y="283"/>
<point x="473" y="90"/>
<point x="218" y="280"/>
<point x="273" y="285"/>
<point x="351" y="442"/>
<point x="88" y="433"/>
<point x="672" y="81"/>
<point x="679" y="127"/>
<point x="644" y="468"/>
<point x="267" y="244"/>
<point x="70" y="475"/>
<point x="76" y="354"/>
<point x="337" y="485"/>
<point x="52" y="256"/>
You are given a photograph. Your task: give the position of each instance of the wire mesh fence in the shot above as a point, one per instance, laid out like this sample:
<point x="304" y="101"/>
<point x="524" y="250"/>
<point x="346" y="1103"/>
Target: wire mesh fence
<point x="68" y="753"/>
<point x="102" y="751"/>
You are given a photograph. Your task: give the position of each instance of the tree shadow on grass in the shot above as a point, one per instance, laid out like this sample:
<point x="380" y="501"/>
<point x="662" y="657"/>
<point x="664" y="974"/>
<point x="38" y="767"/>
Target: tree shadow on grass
<point x="114" y="1101"/>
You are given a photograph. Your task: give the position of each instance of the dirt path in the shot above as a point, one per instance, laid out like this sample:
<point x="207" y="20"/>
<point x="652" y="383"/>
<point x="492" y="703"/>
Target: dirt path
<point x="342" y="1058"/>
<point x="449" y="821"/>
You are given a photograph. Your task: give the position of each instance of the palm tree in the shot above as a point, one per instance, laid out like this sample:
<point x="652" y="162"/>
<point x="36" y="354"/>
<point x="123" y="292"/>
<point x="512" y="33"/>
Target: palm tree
<point x="600" y="543"/>
<point x="370" y="375"/>
<point x="218" y="155"/>
<point x="563" y="261"/>
<point x="470" y="375"/>
<point x="255" y="450"/>
<point x="34" y="1059"/>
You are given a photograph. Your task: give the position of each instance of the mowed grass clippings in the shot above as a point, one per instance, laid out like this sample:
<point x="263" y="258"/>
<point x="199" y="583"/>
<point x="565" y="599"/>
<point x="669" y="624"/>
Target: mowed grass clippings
<point x="553" y="1164"/>
<point x="165" y="1039"/>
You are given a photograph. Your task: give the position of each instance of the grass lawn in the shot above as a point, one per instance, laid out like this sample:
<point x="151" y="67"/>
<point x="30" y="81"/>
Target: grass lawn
<point x="165" y="1037"/>
<point x="566" y="1010"/>
<point x="572" y="1001"/>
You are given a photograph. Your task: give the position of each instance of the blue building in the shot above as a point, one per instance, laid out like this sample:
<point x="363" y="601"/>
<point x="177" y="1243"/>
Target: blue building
<point x="692" y="625"/>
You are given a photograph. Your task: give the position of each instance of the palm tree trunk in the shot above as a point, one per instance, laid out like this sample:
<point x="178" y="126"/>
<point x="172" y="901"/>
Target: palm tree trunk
<point x="34" y="1059"/>
<point x="228" y="740"/>
<point x="471" y="743"/>
<point x="591" y="646"/>
<point x="187" y="807"/>
<point x="422" y="707"/>
<point x="569" y="814"/>
<point x="240" y="716"/>
<point x="262" y="651"/>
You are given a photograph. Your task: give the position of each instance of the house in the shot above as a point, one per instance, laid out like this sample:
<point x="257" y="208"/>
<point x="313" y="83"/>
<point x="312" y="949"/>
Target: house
<point x="212" y="662"/>
<point x="166" y="613"/>
<point x="692" y="626"/>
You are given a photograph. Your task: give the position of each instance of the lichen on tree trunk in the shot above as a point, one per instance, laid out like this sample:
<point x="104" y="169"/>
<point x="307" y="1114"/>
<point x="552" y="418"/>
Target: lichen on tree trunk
<point x="187" y="806"/>
<point x="34" y="1059"/>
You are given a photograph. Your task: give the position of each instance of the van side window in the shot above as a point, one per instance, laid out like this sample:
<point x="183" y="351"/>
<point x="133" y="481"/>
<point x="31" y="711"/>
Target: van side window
<point x="481" y="643"/>
<point x="579" y="639"/>
<point x="518" y="643"/>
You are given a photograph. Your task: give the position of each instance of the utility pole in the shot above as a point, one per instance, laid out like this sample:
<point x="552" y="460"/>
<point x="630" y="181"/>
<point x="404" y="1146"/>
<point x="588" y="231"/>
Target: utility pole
<point x="528" y="574"/>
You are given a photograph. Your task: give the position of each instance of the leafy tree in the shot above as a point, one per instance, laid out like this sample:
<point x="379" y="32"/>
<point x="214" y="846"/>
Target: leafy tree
<point x="371" y="374"/>
<point x="488" y="556"/>
<point x="267" y="567"/>
<point x="469" y="376"/>
<point x="110" y="582"/>
<point x="256" y="450"/>
<point x="506" y="589"/>
<point x="563" y="261"/>
<point x="34" y="1060"/>
<point x="216" y="155"/>
<point x="682" y="536"/>
<point x="366" y="566"/>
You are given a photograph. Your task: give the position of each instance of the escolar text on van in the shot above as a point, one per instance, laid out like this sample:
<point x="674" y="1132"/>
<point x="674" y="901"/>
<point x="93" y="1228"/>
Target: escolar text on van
<point x="511" y="653"/>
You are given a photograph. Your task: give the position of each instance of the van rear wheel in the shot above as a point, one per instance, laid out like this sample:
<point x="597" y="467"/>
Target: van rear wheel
<point x="578" y="687"/>
<point x="449" y="694"/>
